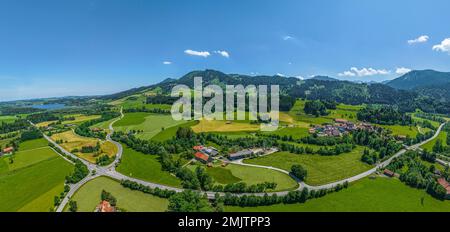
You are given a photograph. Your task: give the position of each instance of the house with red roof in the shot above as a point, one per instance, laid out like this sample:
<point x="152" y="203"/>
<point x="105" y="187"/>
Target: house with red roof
<point x="8" y="150"/>
<point x="446" y="185"/>
<point x="202" y="157"/>
<point x="105" y="207"/>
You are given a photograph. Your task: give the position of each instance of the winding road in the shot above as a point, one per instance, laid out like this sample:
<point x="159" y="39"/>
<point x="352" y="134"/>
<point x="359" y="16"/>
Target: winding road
<point x="109" y="171"/>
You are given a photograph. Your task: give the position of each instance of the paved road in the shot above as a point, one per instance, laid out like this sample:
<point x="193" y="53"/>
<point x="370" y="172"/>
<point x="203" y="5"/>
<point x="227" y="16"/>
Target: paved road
<point x="110" y="171"/>
<point x="359" y="176"/>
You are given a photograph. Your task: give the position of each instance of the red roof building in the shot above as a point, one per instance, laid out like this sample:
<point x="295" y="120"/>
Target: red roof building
<point x="388" y="172"/>
<point x="198" y="148"/>
<point x="202" y="157"/>
<point x="8" y="150"/>
<point x="444" y="184"/>
<point x="105" y="207"/>
<point x="340" y="120"/>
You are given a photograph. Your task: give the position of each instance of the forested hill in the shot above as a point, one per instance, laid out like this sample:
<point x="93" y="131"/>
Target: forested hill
<point x="324" y="88"/>
<point x="419" y="79"/>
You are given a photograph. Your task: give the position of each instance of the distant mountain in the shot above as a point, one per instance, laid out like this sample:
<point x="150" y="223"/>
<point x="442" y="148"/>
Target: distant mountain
<point x="324" y="78"/>
<point x="320" y="87"/>
<point x="419" y="79"/>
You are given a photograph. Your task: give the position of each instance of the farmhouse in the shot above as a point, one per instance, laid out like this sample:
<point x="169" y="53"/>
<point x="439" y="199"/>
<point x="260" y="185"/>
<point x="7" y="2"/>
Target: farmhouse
<point x="202" y="157"/>
<point x="240" y="154"/>
<point x="7" y="150"/>
<point x="210" y="151"/>
<point x="105" y="207"/>
<point x="446" y="185"/>
<point x="388" y="172"/>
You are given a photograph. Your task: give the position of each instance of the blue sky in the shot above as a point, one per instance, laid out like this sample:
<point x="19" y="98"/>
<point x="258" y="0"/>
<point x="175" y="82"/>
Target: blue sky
<point x="60" y="48"/>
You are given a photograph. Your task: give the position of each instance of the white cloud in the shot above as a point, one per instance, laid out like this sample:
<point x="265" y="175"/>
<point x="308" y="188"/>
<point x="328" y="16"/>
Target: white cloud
<point x="197" y="53"/>
<point x="420" y="39"/>
<point x="167" y="62"/>
<point x="402" y="70"/>
<point x="300" y="77"/>
<point x="444" y="46"/>
<point x="288" y="37"/>
<point x="363" y="72"/>
<point x="223" y="53"/>
<point x="280" y="74"/>
<point x="346" y="74"/>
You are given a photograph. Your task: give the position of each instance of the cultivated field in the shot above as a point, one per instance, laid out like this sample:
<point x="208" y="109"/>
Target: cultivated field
<point x="33" y="179"/>
<point x="72" y="141"/>
<point x="88" y="197"/>
<point x="224" y="126"/>
<point x="145" y="167"/>
<point x="321" y="169"/>
<point x="379" y="195"/>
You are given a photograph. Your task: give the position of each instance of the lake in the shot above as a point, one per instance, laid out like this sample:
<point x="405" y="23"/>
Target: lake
<point x="55" y="106"/>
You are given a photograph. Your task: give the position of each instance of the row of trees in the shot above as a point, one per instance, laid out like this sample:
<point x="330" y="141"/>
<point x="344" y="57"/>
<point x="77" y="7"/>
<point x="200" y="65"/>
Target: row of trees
<point x="17" y="125"/>
<point x="384" y="114"/>
<point x="415" y="173"/>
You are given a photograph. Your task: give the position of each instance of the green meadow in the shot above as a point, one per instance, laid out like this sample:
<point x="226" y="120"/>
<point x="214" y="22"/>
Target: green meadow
<point x="89" y="196"/>
<point x="342" y="111"/>
<point x="234" y="173"/>
<point x="442" y="136"/>
<point x="367" y="195"/>
<point x="33" y="179"/>
<point x="146" y="167"/>
<point x="170" y="132"/>
<point x="321" y="169"/>
<point x="150" y="124"/>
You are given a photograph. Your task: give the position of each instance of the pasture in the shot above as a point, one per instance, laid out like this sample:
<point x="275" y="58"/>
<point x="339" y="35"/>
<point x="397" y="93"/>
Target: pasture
<point x="321" y="169"/>
<point x="146" y="167"/>
<point x="234" y="173"/>
<point x="89" y="196"/>
<point x="33" y="179"/>
<point x="442" y="136"/>
<point x="342" y="111"/>
<point x="367" y="195"/>
<point x="170" y="132"/>
<point x="410" y="131"/>
<point x="148" y="124"/>
<point x="224" y="126"/>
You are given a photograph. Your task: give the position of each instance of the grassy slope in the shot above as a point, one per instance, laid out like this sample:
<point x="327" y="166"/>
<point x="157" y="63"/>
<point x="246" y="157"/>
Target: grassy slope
<point x="321" y="169"/>
<point x="7" y="119"/>
<point x="145" y="167"/>
<point x="343" y="111"/>
<point x="251" y="175"/>
<point x="379" y="195"/>
<point x="151" y="124"/>
<point x="88" y="197"/>
<point x="442" y="136"/>
<point x="170" y="132"/>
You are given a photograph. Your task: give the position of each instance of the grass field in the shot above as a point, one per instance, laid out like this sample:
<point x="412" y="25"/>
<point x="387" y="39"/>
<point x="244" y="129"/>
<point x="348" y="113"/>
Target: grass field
<point x="250" y="175"/>
<point x="295" y="132"/>
<point x="7" y="119"/>
<point x="75" y="141"/>
<point x="224" y="126"/>
<point x="145" y="167"/>
<point x="170" y="132"/>
<point x="321" y="169"/>
<point x="151" y="124"/>
<point x="222" y="175"/>
<point x="402" y="130"/>
<point x="81" y="118"/>
<point x="442" y="136"/>
<point x="138" y="101"/>
<point x="342" y="111"/>
<point x="88" y="197"/>
<point x="31" y="182"/>
<point x="378" y="195"/>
